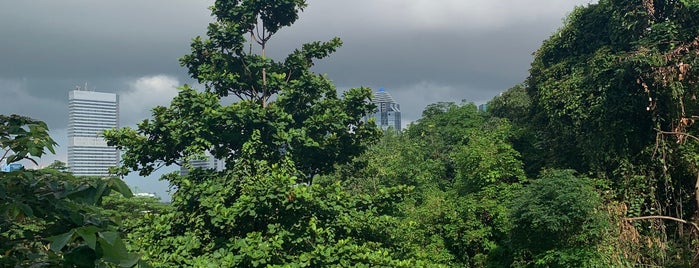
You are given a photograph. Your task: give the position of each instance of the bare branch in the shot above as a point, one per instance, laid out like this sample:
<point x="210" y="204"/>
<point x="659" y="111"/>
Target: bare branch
<point x="259" y="36"/>
<point x="5" y="154"/>
<point x="254" y="38"/>
<point x="664" y="218"/>
<point x="677" y="133"/>
<point x="237" y="95"/>
<point x="288" y="77"/>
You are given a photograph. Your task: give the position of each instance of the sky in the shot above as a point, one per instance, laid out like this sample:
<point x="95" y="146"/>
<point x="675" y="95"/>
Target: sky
<point x="419" y="51"/>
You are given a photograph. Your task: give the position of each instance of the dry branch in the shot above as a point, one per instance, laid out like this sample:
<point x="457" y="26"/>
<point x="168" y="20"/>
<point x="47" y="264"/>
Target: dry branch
<point x="664" y="218"/>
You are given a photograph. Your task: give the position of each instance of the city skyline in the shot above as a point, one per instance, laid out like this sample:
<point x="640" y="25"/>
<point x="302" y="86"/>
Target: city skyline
<point x="421" y="51"/>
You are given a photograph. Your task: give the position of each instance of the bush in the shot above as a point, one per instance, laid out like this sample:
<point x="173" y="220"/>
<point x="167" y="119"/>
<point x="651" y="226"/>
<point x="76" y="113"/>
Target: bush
<point x="557" y="221"/>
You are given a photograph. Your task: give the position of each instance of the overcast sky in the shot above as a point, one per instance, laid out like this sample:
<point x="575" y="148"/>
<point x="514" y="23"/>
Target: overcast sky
<point x="420" y="51"/>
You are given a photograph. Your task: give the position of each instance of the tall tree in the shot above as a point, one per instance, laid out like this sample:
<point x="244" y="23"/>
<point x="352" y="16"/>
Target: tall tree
<point x="614" y="94"/>
<point x="306" y="121"/>
<point x="285" y="125"/>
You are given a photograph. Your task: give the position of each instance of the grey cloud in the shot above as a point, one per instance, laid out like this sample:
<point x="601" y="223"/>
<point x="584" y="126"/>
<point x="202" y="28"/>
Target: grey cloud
<point x="105" y="38"/>
<point x="421" y="51"/>
<point x="136" y="102"/>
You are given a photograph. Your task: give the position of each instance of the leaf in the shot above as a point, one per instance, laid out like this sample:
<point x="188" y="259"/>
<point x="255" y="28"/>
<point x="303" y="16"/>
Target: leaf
<point x="110" y="237"/>
<point x="115" y="252"/>
<point x="81" y="256"/>
<point x="120" y="186"/>
<point x="89" y="234"/>
<point x="25" y="209"/>
<point x="60" y="241"/>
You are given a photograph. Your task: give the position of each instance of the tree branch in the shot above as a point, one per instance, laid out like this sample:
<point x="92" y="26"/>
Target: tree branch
<point x="664" y="218"/>
<point x="5" y="154"/>
<point x="677" y="133"/>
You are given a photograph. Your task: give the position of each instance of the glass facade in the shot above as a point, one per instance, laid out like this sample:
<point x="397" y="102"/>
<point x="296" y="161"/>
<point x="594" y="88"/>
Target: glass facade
<point x="90" y="113"/>
<point x="387" y="112"/>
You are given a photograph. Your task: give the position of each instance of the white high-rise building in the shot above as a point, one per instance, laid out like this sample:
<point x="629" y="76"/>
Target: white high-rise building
<point x="207" y="161"/>
<point x="90" y="113"/>
<point x="387" y="111"/>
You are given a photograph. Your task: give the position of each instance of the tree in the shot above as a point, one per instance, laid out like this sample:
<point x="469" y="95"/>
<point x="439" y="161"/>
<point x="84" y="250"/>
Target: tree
<point x="444" y="126"/>
<point x="487" y="158"/>
<point x="457" y="218"/>
<point x="22" y="137"/>
<point x="557" y="222"/>
<point x="284" y="127"/>
<point x="50" y="218"/>
<point x="59" y="166"/>
<point x="614" y="94"/>
<point x="513" y="104"/>
<point x="306" y="121"/>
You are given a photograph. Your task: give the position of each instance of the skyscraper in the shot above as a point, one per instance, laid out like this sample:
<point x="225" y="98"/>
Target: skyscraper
<point x="387" y="112"/>
<point x="90" y="113"/>
<point x="207" y="161"/>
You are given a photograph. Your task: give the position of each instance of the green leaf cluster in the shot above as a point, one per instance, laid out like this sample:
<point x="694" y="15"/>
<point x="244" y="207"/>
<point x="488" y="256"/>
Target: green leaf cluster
<point x="557" y="222"/>
<point x="22" y="137"/>
<point x="50" y="218"/>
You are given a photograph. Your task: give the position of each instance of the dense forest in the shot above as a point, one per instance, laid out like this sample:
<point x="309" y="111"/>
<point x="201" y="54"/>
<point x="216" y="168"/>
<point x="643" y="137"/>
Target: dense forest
<point x="592" y="161"/>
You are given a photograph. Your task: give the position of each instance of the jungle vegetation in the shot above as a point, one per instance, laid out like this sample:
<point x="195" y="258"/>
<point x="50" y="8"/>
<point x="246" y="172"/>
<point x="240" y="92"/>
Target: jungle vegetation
<point x="593" y="161"/>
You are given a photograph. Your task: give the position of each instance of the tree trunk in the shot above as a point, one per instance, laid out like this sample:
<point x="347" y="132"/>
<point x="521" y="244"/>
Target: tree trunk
<point x="696" y="193"/>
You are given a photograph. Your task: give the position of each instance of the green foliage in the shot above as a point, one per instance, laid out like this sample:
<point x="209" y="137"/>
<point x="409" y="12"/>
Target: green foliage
<point x="614" y="94"/>
<point x="557" y="221"/>
<point x="513" y="104"/>
<point x="487" y="158"/>
<point x="52" y="218"/>
<point x="22" y="137"/>
<point x="58" y="165"/>
<point x="286" y="127"/>
<point x="49" y="217"/>
<point x="445" y="125"/>
<point x="131" y="213"/>
<point x="266" y="217"/>
<point x="307" y="121"/>
<point x="591" y="110"/>
<point x="221" y="63"/>
<point x="394" y="160"/>
<point x="133" y="207"/>
<point x="464" y="172"/>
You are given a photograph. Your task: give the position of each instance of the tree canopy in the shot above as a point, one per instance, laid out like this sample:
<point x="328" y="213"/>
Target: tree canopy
<point x="51" y="218"/>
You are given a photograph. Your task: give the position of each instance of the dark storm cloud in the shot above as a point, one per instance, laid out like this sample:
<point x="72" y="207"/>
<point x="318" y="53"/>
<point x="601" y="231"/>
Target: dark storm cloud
<point x="95" y="40"/>
<point x="476" y="48"/>
<point x="442" y="57"/>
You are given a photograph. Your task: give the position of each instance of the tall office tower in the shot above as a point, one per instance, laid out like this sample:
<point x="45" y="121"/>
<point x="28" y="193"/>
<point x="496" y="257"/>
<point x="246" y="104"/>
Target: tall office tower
<point x="91" y="113"/>
<point x="387" y="112"/>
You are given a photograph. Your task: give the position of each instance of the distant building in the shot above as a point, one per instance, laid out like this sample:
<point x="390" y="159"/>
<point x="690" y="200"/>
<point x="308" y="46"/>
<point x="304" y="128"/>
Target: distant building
<point x="11" y="167"/>
<point x="146" y="195"/>
<point x="207" y="162"/>
<point x="483" y="107"/>
<point x="387" y="113"/>
<point x="90" y="113"/>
